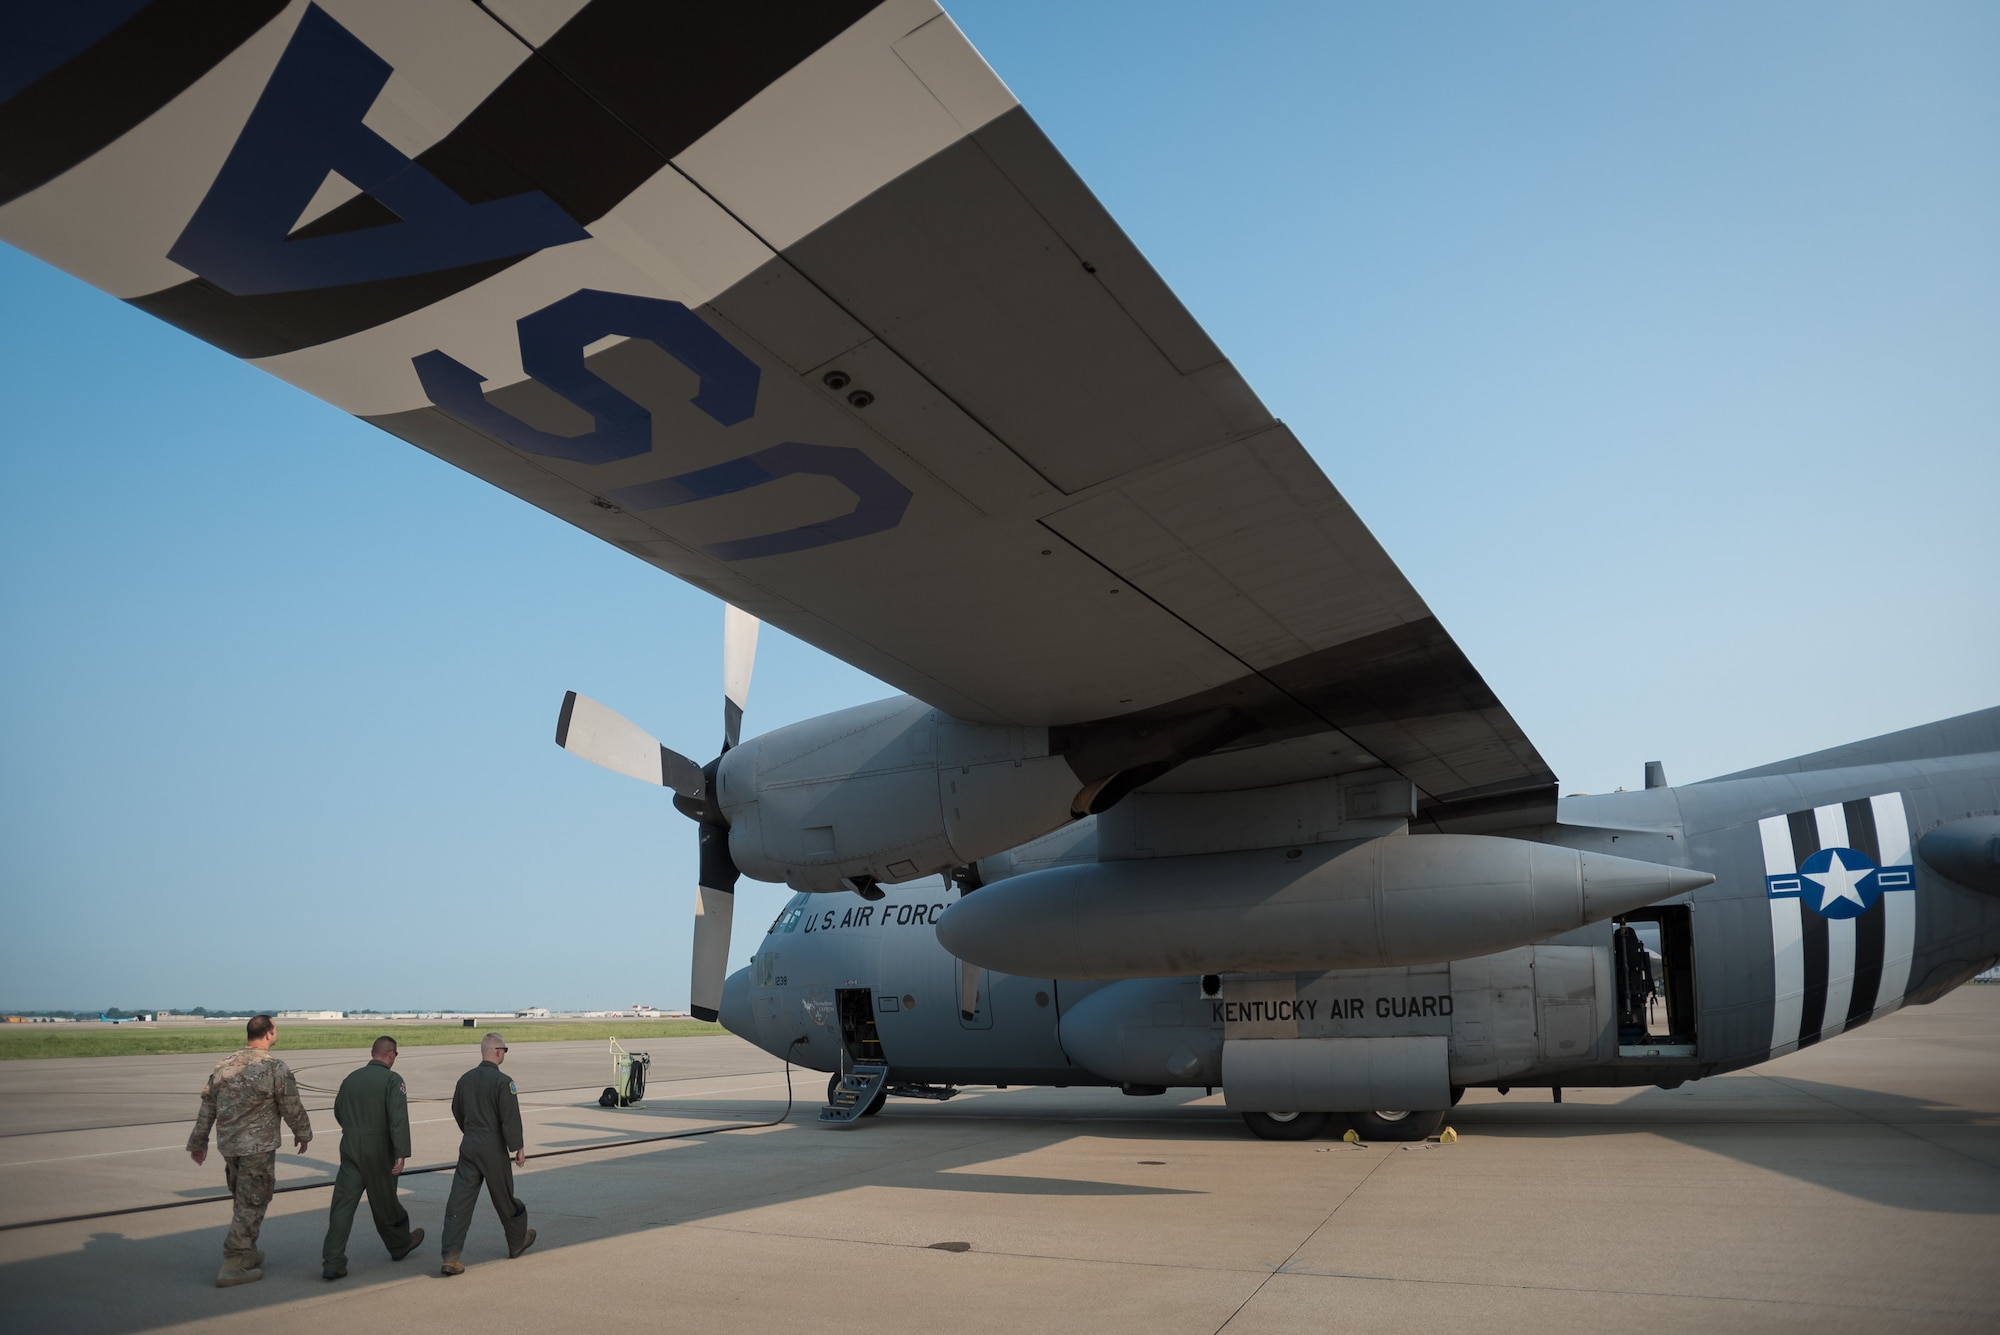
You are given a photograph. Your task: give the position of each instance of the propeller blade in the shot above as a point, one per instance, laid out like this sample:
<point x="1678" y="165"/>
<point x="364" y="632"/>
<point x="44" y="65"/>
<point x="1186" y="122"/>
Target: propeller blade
<point x="606" y="738"/>
<point x="714" y="906"/>
<point x="739" y="656"/>
<point x="968" y="989"/>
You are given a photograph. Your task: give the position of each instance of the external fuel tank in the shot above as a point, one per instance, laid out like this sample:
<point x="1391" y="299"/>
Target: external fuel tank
<point x="1359" y="904"/>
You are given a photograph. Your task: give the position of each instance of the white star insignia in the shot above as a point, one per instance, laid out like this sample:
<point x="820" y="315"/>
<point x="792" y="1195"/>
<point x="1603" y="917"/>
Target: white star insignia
<point x="1839" y="882"/>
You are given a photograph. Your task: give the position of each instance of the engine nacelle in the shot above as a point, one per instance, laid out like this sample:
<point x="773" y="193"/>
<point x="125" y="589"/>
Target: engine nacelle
<point x="888" y="791"/>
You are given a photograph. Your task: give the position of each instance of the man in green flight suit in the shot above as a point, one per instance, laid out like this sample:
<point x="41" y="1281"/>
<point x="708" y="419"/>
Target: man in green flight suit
<point x="373" y="1109"/>
<point x="487" y="1108"/>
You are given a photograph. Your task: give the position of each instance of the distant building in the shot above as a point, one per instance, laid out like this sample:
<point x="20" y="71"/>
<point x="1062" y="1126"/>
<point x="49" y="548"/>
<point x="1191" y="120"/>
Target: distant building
<point x="533" y="1013"/>
<point x="311" y="1015"/>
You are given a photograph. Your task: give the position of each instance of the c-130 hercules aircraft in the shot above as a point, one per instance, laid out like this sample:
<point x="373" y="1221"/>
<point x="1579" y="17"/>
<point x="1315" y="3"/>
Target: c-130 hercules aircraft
<point x="795" y="302"/>
<point x="1820" y="917"/>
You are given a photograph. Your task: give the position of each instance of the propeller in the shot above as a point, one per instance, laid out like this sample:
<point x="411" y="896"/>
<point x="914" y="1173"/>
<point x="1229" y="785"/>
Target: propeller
<point x="604" y="737"/>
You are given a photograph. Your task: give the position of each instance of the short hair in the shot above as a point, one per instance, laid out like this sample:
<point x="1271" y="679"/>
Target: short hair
<point x="259" y="1026"/>
<point x="495" y="1038"/>
<point x="382" y="1045"/>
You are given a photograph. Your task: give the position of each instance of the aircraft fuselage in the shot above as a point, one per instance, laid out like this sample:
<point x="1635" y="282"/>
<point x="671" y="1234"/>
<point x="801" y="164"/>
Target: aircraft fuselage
<point x="1824" y="915"/>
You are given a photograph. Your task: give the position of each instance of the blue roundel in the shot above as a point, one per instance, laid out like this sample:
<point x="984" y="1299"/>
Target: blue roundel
<point x="1839" y="883"/>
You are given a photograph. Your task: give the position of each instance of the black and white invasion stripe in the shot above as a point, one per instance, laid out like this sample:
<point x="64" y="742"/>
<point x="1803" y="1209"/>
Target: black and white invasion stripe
<point x="1832" y="972"/>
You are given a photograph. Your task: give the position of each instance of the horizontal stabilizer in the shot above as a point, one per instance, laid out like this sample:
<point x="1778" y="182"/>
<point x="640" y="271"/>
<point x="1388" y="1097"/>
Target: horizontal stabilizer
<point x="604" y="737"/>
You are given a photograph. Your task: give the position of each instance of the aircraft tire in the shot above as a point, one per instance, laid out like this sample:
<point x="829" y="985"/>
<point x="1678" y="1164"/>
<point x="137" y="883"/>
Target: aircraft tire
<point x="1397" y="1125"/>
<point x="1285" y="1126"/>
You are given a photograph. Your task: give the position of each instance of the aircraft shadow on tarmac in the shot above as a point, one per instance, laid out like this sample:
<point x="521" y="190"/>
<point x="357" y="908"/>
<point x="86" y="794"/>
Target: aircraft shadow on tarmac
<point x="118" y="1284"/>
<point x="1801" y="1129"/>
<point x="1814" y="1143"/>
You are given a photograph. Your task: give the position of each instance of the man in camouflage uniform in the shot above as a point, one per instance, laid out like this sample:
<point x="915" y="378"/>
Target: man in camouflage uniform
<point x="246" y="1094"/>
<point x="373" y="1109"/>
<point x="488" y="1110"/>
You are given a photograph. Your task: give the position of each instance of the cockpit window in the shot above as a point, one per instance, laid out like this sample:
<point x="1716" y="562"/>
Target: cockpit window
<point x="788" y="917"/>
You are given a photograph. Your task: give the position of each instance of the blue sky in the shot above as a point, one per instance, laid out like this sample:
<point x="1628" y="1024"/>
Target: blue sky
<point x="1656" y="343"/>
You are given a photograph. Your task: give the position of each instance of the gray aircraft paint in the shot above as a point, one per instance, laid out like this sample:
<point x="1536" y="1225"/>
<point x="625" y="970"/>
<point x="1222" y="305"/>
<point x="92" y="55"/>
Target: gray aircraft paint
<point x="910" y="393"/>
<point x="1540" y="1015"/>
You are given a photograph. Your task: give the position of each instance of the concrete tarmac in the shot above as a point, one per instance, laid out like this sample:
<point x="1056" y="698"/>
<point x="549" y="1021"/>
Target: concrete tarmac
<point x="1854" y="1186"/>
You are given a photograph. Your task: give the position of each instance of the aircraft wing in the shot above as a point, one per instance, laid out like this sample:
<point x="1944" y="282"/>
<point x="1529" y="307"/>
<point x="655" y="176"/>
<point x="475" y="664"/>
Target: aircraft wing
<point x="789" y="299"/>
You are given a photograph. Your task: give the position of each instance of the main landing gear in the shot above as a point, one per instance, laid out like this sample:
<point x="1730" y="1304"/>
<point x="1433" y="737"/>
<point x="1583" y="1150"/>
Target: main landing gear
<point x="1286" y="1125"/>
<point x="1381" y="1125"/>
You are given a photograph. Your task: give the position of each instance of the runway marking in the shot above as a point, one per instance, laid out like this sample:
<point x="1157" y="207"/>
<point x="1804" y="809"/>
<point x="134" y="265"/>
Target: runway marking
<point x="183" y="1121"/>
<point x="1386" y="1158"/>
<point x="102" y="1154"/>
<point x="415" y="1121"/>
<point x="408" y="1173"/>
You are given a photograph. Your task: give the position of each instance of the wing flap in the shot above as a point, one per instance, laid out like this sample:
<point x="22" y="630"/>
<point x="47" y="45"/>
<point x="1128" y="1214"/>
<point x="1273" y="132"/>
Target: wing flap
<point x="1260" y="555"/>
<point x="1251" y="545"/>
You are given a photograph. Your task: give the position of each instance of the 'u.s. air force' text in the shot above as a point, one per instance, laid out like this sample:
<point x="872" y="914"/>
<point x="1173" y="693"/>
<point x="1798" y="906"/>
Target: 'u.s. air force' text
<point x="1337" y="1008"/>
<point x="893" y="915"/>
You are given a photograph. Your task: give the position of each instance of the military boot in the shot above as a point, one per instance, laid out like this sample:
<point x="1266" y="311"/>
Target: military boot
<point x="526" y="1242"/>
<point x="254" y="1261"/>
<point x="451" y="1267"/>
<point x="235" y="1271"/>
<point x="416" y="1241"/>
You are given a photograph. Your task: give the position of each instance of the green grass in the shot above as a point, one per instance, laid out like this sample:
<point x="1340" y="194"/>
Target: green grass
<point x="18" y="1041"/>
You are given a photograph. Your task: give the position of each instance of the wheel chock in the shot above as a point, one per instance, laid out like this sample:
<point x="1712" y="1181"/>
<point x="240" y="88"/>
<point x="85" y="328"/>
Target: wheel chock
<point x="1351" y="1136"/>
<point x="1449" y="1137"/>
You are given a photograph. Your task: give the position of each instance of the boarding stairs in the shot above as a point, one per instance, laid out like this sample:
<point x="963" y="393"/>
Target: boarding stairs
<point x="858" y="1089"/>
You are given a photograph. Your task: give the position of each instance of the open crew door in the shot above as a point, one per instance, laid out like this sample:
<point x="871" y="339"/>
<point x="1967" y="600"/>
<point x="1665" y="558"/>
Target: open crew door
<point x="1652" y="956"/>
<point x="860" y="1085"/>
<point x="854" y="1007"/>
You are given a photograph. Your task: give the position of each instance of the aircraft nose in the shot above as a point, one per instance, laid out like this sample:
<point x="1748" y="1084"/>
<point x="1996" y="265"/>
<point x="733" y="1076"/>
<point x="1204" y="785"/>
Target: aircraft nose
<point x="735" y="1010"/>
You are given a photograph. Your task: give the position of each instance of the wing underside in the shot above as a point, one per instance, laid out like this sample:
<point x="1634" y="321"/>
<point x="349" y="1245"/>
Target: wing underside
<point x="792" y="301"/>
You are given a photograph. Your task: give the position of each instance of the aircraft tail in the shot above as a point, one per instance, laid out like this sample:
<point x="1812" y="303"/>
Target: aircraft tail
<point x="1968" y="734"/>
